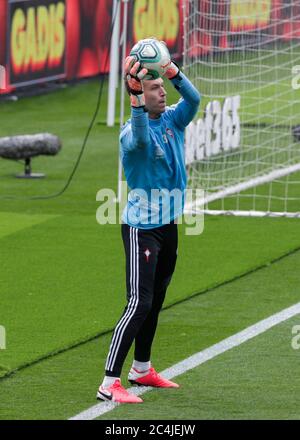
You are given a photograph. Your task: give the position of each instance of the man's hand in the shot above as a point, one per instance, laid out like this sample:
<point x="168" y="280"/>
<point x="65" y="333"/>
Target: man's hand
<point x="172" y="69"/>
<point x="133" y="81"/>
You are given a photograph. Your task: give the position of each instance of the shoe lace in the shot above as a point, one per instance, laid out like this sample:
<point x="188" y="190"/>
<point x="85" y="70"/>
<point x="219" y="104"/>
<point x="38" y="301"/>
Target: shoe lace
<point x="154" y="373"/>
<point x="117" y="386"/>
<point x="157" y="375"/>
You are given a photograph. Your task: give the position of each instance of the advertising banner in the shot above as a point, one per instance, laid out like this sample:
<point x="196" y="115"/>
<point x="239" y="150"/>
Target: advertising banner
<point x="89" y="31"/>
<point x="36" y="43"/>
<point x="249" y="15"/>
<point x="229" y="24"/>
<point x="43" y="40"/>
<point x="88" y="37"/>
<point x="159" y="18"/>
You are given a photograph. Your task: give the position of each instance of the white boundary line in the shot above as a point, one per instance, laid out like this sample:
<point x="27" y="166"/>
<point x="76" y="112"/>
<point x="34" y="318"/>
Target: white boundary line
<point x="199" y="358"/>
<point x="243" y="186"/>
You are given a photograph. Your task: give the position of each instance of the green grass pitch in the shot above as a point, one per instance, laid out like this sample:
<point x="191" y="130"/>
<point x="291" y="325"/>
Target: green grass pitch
<point x="255" y="380"/>
<point x="62" y="279"/>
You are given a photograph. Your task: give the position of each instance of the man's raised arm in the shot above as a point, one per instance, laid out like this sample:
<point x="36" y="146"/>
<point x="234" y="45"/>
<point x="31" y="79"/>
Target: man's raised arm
<point x="138" y="135"/>
<point x="187" y="107"/>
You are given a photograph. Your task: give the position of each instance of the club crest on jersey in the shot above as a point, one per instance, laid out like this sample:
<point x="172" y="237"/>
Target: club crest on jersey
<point x="147" y="253"/>
<point x="170" y="132"/>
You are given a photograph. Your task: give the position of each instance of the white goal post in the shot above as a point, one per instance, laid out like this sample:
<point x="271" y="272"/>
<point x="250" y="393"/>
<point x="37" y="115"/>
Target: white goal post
<point x="243" y="148"/>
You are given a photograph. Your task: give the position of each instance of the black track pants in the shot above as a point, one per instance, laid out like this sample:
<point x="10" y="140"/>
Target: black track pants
<point x="150" y="262"/>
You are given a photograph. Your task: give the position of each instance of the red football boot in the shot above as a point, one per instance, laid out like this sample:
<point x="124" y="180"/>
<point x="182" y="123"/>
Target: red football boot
<point x="116" y="393"/>
<point x="150" y="378"/>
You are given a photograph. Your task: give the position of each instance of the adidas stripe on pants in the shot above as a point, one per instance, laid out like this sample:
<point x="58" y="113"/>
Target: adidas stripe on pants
<point x="150" y="262"/>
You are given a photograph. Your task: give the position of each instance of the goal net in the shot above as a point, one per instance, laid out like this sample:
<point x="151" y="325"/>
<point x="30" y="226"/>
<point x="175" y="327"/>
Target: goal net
<point x="243" y="148"/>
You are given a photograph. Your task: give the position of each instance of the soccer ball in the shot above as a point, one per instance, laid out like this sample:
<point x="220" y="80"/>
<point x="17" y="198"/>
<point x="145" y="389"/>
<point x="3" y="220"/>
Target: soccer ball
<point x="153" y="55"/>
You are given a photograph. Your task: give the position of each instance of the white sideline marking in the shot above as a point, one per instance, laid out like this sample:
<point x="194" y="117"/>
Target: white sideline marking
<point x="199" y="358"/>
<point x="243" y="186"/>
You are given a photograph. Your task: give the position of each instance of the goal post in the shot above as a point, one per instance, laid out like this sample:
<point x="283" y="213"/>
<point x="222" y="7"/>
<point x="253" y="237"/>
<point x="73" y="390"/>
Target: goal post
<point x="243" y="148"/>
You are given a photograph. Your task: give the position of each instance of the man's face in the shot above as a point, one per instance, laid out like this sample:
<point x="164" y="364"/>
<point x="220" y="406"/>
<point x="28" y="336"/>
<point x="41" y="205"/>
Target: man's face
<point x="155" y="96"/>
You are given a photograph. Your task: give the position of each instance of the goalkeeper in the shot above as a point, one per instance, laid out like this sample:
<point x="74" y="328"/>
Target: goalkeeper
<point x="152" y="153"/>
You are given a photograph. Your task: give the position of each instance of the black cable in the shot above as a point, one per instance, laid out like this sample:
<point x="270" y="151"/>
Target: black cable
<point x="59" y="193"/>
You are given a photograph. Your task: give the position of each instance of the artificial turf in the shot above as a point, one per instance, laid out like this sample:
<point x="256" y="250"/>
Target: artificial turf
<point x="60" y="269"/>
<point x="59" y="277"/>
<point x="255" y="380"/>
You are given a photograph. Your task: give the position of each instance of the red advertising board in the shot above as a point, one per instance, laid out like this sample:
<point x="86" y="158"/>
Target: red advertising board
<point x="161" y="18"/>
<point x="88" y="37"/>
<point x="36" y="41"/>
<point x="89" y="30"/>
<point x="42" y="40"/>
<point x="3" y="31"/>
<point x="249" y="15"/>
<point x="228" y="24"/>
<point x="47" y="39"/>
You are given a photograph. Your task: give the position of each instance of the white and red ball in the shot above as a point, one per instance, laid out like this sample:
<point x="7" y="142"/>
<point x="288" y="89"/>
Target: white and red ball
<point x="153" y="55"/>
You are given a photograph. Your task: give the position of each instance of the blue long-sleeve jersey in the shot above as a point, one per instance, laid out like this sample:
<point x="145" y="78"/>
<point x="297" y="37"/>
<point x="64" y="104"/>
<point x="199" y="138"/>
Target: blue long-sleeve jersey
<point x="152" y="154"/>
